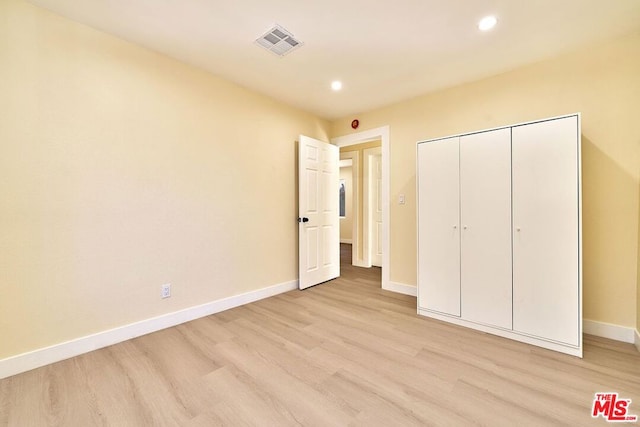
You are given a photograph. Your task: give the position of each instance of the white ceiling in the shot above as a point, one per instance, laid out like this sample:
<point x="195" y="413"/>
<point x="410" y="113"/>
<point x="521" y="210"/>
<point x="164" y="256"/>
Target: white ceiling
<point x="384" y="51"/>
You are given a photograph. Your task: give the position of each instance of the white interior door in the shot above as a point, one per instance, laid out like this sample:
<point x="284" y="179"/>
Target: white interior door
<point x="373" y="205"/>
<point x="439" y="226"/>
<point x="318" y="216"/>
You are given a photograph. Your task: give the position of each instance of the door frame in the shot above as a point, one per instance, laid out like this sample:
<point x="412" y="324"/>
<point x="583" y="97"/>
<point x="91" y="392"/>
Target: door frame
<point x="368" y="205"/>
<point x="382" y="134"/>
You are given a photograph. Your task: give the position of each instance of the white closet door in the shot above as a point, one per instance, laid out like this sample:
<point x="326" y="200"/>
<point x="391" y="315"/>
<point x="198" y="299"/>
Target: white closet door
<point x="438" y="230"/>
<point x="485" y="217"/>
<point x="546" y="234"/>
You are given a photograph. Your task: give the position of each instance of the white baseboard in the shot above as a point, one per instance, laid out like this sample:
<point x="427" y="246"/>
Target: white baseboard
<point x="401" y="288"/>
<point x="506" y="333"/>
<point x="637" y="339"/>
<point x="358" y="263"/>
<point x="55" y="353"/>
<point x="348" y="241"/>
<point x="609" y="330"/>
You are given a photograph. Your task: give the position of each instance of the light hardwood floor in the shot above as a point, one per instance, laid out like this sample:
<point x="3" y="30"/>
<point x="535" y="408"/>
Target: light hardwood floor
<point x="342" y="353"/>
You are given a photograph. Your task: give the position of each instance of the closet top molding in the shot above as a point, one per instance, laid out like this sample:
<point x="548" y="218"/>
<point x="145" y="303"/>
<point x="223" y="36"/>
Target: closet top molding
<point x="546" y="119"/>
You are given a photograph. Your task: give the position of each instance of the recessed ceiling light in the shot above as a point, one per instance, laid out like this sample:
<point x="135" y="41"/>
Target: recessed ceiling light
<point x="336" y="85"/>
<point x="487" y="23"/>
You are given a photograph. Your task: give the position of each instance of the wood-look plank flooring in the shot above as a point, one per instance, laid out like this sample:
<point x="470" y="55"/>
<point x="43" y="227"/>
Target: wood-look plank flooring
<point x="339" y="354"/>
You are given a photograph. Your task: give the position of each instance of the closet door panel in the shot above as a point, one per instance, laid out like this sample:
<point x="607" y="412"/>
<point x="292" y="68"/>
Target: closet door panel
<point x="485" y="212"/>
<point x="546" y="230"/>
<point x="438" y="226"/>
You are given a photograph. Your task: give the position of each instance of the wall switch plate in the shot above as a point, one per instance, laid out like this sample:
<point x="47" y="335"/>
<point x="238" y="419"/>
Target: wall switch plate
<point x="401" y="199"/>
<point x="166" y="290"/>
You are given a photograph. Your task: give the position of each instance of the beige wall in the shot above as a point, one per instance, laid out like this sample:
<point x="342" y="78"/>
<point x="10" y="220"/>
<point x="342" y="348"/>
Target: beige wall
<point x="359" y="148"/>
<point x="602" y="82"/>
<point x="121" y="170"/>
<point x="346" y="223"/>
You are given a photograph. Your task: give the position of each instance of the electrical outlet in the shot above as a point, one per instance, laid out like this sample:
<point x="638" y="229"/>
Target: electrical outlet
<point x="166" y="290"/>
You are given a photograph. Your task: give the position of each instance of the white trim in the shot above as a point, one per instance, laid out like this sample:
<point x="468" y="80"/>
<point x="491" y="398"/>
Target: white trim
<point x="370" y="135"/>
<point x="637" y="339"/>
<point x="580" y="240"/>
<point x="608" y="330"/>
<point x="401" y="288"/>
<point x="505" y="333"/>
<point x="345" y="163"/>
<point x="55" y="353"/>
<point x="348" y="241"/>
<point x="381" y="133"/>
<point x="367" y="205"/>
<point x="359" y="263"/>
<point x="500" y="127"/>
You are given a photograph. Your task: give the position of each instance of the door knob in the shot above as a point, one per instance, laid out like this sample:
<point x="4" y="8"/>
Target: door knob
<point x="303" y="219"/>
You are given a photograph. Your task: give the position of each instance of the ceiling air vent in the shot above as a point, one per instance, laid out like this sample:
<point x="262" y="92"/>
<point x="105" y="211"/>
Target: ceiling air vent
<point x="279" y="41"/>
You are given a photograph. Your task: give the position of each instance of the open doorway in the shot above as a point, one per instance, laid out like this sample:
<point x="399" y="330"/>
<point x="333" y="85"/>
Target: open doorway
<point x="361" y="226"/>
<point x="347" y="201"/>
<point x="376" y="212"/>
